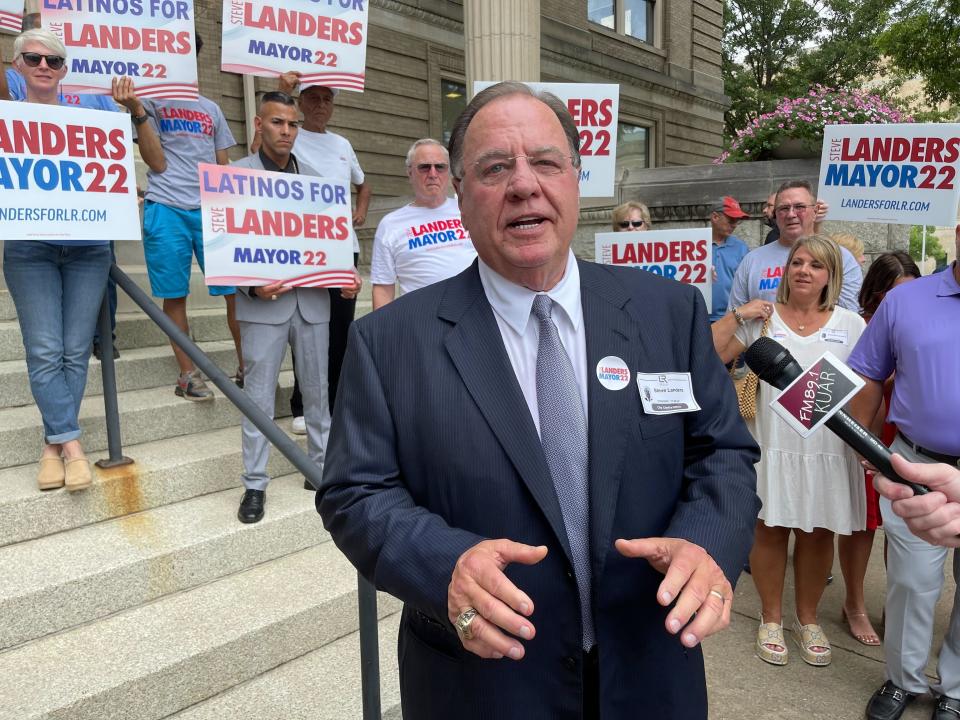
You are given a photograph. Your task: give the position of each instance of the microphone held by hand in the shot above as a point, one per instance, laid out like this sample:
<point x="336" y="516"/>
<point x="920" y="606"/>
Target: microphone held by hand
<point x="774" y="364"/>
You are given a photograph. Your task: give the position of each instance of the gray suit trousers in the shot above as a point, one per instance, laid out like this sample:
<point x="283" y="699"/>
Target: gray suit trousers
<point x="264" y="346"/>
<point x="914" y="584"/>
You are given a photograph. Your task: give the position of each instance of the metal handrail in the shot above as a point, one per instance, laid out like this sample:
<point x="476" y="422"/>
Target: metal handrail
<point x="366" y="592"/>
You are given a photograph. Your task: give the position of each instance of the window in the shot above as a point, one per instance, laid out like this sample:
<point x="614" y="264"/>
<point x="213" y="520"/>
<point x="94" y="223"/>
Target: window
<point x="633" y="145"/>
<point x="629" y="17"/>
<point x="453" y="101"/>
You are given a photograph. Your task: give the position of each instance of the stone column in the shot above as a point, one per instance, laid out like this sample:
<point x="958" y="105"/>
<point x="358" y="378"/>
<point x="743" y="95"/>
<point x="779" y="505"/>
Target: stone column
<point x="502" y="40"/>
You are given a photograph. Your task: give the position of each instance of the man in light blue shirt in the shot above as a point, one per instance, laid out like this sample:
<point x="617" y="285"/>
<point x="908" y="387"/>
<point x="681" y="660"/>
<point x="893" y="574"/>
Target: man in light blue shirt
<point x="728" y="251"/>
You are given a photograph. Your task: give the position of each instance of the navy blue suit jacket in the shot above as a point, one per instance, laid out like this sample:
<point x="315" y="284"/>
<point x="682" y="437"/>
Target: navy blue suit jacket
<point x="433" y="449"/>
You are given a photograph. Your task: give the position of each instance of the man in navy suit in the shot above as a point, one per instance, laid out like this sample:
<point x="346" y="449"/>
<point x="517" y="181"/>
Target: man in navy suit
<point x="493" y="461"/>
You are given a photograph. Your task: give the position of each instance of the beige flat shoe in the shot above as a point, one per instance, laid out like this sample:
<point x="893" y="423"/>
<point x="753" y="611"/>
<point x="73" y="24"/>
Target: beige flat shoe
<point x="77" y="474"/>
<point x="50" y="476"/>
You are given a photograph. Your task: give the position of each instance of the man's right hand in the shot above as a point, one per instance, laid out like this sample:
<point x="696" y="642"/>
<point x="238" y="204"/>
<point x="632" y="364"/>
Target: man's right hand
<point x="934" y="517"/>
<point x="288" y="81"/>
<point x="479" y="582"/>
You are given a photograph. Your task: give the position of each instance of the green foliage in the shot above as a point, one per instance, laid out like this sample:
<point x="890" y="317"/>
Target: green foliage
<point x="924" y="41"/>
<point x="781" y="48"/>
<point x="934" y="248"/>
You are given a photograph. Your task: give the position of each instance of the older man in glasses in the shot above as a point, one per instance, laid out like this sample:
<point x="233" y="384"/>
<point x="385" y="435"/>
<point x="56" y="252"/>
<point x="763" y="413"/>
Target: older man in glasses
<point x="493" y="464"/>
<point x="423" y="242"/>
<point x="797" y="213"/>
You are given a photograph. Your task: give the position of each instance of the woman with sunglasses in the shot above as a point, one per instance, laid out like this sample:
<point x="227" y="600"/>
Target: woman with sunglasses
<point x="57" y="287"/>
<point x="632" y="216"/>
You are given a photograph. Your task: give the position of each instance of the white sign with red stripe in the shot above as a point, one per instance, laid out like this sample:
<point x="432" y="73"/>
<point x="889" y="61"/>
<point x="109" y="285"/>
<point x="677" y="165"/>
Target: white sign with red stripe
<point x="260" y="227"/>
<point x="11" y="15"/>
<point x="326" y="42"/>
<point x="151" y="41"/>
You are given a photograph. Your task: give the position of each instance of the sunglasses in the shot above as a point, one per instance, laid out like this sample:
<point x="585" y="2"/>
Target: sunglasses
<point x="32" y="59"/>
<point x="425" y="167"/>
<point x="632" y="223"/>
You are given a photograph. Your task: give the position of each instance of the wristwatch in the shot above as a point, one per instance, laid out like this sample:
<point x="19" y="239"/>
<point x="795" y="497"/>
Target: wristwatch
<point x="139" y="119"/>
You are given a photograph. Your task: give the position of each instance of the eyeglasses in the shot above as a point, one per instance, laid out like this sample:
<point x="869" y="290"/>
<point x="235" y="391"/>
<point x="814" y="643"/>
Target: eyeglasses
<point x="798" y="208"/>
<point x="632" y="224"/>
<point x="424" y="168"/>
<point x="32" y="59"/>
<point x="495" y="169"/>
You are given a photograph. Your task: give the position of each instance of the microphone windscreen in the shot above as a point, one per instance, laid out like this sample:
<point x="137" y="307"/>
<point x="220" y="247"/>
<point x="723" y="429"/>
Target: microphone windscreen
<point x="768" y="358"/>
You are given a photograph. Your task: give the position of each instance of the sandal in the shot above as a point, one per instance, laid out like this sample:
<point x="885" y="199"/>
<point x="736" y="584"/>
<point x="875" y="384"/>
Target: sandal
<point x="813" y="643"/>
<point x="870" y="638"/>
<point x="771" y="645"/>
<point x="238" y="378"/>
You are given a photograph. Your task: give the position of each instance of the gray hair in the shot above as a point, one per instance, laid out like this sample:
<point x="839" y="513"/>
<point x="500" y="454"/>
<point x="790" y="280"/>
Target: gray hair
<point x="44" y="37"/>
<point x="505" y="89"/>
<point x="420" y="143"/>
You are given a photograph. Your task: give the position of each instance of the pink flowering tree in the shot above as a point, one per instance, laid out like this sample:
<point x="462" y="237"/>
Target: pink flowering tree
<point x="804" y="118"/>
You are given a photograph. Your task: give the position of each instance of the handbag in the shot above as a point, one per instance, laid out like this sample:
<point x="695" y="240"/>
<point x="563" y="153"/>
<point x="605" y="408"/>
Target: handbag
<point x="747" y="384"/>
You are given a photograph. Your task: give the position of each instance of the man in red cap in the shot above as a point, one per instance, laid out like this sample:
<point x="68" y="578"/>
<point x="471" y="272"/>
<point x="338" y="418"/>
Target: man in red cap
<point x="728" y="251"/>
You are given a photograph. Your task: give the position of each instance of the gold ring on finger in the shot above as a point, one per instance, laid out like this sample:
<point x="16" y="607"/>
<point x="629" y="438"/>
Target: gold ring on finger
<point x="463" y="623"/>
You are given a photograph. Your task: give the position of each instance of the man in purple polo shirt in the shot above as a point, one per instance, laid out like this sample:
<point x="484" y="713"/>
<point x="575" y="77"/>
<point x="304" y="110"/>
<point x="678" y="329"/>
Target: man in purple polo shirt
<point x="915" y="333"/>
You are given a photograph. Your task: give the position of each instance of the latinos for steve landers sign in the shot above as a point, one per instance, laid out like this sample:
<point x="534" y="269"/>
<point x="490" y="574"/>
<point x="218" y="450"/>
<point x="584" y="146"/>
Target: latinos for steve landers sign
<point x="904" y="174"/>
<point x="260" y="227"/>
<point x="325" y="41"/>
<point x="151" y="41"/>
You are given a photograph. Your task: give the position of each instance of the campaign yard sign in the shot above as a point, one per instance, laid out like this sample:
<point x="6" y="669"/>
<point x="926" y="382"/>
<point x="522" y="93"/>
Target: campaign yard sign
<point x="325" y="40"/>
<point x="151" y="41"/>
<point x="903" y="174"/>
<point x="11" y="16"/>
<point x="260" y="227"/>
<point x="817" y="394"/>
<point x="684" y="255"/>
<point x="66" y="174"/>
<point x="595" y="109"/>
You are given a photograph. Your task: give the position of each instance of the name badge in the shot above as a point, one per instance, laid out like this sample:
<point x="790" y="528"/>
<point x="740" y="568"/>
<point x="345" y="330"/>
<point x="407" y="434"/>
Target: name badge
<point x="666" y="393"/>
<point x="779" y="335"/>
<point x="838" y="337"/>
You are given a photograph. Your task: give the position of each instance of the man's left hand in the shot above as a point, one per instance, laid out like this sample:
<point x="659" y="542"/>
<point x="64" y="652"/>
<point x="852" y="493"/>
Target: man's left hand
<point x="359" y="218"/>
<point x="693" y="578"/>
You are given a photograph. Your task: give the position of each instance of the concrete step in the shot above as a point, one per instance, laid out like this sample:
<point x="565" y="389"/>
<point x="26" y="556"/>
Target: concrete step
<point x="62" y="580"/>
<point x="134" y="330"/>
<point x="155" y="660"/>
<point x="137" y="369"/>
<point x="321" y="685"/>
<point x="162" y="474"/>
<point x="7" y="310"/>
<point x="145" y="416"/>
<point x="198" y="298"/>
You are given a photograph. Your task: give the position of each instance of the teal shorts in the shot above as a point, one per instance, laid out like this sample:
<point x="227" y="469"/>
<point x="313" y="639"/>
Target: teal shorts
<point x="171" y="237"/>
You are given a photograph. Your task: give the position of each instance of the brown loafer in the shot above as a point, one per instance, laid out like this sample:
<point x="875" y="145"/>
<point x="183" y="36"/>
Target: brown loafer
<point x="50" y="476"/>
<point x="77" y="474"/>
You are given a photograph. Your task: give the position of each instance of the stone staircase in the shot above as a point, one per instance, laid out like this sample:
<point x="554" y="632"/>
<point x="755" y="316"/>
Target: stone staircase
<point x="143" y="597"/>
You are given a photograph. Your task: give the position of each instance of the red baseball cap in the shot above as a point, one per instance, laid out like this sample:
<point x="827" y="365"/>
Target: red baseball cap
<point x="731" y="208"/>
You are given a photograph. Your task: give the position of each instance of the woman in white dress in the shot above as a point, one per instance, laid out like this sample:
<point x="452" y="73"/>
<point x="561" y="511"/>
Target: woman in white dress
<point x="811" y="486"/>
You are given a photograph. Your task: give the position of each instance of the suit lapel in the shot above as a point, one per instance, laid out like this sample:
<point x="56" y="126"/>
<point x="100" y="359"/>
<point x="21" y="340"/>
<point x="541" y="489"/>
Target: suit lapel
<point x="610" y="331"/>
<point x="476" y="348"/>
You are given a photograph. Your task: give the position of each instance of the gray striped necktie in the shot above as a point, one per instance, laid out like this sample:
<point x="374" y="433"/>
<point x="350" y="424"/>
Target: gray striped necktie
<point x="563" y="434"/>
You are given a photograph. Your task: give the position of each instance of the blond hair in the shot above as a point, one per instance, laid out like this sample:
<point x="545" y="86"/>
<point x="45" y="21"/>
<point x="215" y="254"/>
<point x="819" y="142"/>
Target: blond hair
<point x="824" y="250"/>
<point x="621" y="212"/>
<point x="850" y="242"/>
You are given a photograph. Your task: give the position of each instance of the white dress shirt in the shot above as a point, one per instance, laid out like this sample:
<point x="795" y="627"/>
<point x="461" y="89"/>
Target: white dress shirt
<point x="512" y="307"/>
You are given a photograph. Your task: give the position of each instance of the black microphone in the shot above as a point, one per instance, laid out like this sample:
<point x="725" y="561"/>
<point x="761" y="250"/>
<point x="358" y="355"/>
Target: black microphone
<point x="774" y="364"/>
